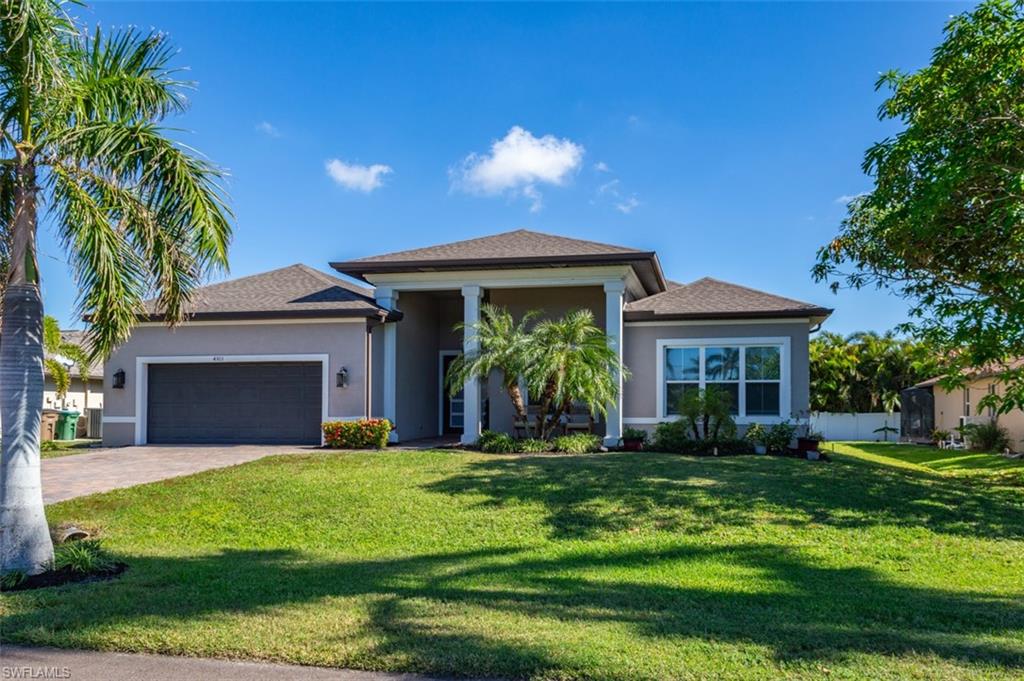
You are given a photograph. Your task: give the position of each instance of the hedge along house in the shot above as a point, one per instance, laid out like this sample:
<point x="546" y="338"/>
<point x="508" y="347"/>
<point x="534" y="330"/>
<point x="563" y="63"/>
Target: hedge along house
<point x="295" y="347"/>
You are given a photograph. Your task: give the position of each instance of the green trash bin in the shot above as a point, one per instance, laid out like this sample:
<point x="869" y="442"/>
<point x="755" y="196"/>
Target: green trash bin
<point x="67" y="425"/>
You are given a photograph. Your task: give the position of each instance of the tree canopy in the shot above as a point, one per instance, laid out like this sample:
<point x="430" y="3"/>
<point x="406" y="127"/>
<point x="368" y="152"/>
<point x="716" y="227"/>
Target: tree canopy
<point x="865" y="371"/>
<point x="943" y="225"/>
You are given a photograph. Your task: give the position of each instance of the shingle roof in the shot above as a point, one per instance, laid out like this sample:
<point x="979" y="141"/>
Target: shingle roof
<point x="709" y="298"/>
<point x="519" y="248"/>
<point x="79" y="338"/>
<point x="293" y="291"/>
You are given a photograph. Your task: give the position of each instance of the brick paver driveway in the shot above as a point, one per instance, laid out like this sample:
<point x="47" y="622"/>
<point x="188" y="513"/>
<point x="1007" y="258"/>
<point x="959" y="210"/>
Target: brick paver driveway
<point x="76" y="475"/>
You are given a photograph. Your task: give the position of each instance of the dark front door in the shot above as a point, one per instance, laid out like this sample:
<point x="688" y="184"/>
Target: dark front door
<point x="453" y="406"/>
<point x="253" y="403"/>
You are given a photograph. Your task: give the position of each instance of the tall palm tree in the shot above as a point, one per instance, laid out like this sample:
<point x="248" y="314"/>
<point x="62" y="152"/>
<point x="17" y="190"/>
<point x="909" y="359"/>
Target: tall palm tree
<point x="574" y="362"/>
<point x="138" y="213"/>
<point x="505" y="345"/>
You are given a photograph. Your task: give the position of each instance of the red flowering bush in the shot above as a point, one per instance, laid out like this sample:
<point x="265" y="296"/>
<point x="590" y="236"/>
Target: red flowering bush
<point x="361" y="434"/>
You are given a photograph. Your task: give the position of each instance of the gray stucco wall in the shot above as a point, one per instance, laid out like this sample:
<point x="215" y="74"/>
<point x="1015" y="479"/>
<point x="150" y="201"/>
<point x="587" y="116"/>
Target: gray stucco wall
<point x="641" y="357"/>
<point x="416" y="401"/>
<point x="343" y="342"/>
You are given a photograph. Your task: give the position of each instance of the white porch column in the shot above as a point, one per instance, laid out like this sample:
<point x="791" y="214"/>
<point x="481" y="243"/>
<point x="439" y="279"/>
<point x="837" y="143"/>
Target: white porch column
<point x="613" y="303"/>
<point x="388" y="298"/>
<point x="471" y="296"/>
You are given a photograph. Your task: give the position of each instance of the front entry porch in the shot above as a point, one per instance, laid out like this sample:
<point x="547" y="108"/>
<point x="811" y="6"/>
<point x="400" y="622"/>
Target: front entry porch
<point x="412" y="358"/>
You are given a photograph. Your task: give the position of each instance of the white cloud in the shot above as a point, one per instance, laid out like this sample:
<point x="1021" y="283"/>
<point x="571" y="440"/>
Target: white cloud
<point x="357" y="177"/>
<point x="846" y="198"/>
<point x="268" y="128"/>
<point x="611" y="187"/>
<point x="626" y="207"/>
<point x="602" y="167"/>
<point x="517" y="163"/>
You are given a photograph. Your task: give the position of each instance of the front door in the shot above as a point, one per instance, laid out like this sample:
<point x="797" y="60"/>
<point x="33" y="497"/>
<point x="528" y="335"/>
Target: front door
<point x="453" y="406"/>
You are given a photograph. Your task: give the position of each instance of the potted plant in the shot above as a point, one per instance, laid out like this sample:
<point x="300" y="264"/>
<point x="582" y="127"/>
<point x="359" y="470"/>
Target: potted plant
<point x="757" y="435"/>
<point x="809" y="442"/>
<point x="633" y="439"/>
<point x="940" y="437"/>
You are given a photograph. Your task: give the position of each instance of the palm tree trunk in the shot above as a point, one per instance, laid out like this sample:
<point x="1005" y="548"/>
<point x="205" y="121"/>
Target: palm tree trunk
<point x="518" y="403"/>
<point x="25" y="543"/>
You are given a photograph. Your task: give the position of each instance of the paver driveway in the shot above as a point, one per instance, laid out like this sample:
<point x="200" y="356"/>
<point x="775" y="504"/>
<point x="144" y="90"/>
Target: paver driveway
<point x="72" y="476"/>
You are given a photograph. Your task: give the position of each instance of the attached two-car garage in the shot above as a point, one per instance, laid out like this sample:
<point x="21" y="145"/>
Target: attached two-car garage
<point x="229" y="403"/>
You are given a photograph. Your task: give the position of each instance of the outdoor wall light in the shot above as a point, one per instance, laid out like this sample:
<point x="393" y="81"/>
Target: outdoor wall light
<point x="119" y="379"/>
<point x="342" y="377"/>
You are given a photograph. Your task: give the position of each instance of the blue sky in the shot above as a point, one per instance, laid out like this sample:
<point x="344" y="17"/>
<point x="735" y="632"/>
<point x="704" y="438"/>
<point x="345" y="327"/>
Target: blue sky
<point x="722" y="136"/>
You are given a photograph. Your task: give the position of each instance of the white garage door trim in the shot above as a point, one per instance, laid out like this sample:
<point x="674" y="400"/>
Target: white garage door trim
<point x="142" y="379"/>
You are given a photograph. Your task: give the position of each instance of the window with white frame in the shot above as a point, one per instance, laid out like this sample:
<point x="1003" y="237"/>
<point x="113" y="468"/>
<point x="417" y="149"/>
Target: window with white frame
<point x="750" y="374"/>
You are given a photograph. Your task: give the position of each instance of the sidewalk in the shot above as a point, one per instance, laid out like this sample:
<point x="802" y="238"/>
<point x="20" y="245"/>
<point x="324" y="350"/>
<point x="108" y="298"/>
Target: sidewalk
<point x="17" y="662"/>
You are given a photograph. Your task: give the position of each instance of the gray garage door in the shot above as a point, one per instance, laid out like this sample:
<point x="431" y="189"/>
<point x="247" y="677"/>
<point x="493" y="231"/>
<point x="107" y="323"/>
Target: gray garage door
<point x="273" y="403"/>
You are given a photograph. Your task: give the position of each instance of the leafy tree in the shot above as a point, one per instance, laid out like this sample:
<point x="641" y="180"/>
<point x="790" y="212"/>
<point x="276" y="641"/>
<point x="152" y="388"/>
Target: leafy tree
<point x="865" y="371"/>
<point x="505" y="345"/>
<point x="943" y="225"/>
<point x="138" y="213"/>
<point x="56" y="346"/>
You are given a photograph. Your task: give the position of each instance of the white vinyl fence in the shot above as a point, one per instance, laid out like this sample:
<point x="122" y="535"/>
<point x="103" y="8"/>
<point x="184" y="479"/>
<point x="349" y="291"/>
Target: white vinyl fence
<point x="836" y="426"/>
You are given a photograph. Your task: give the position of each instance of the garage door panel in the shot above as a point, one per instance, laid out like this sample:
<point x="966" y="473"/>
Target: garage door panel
<point x="235" y="403"/>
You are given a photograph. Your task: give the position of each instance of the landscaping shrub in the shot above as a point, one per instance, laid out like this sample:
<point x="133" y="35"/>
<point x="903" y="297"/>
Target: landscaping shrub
<point x="635" y="434"/>
<point x="361" y="434"/>
<point x="671" y="436"/>
<point x="532" y="445"/>
<point x="84" y="557"/>
<point x="577" y="443"/>
<point x="756" y="434"/>
<point x="779" y="437"/>
<point x="986" y="437"/>
<point x="496" y="443"/>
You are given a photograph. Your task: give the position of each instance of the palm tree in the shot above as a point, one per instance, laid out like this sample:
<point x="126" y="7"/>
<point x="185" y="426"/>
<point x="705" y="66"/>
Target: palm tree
<point x="505" y="345"/>
<point x="574" y="362"/>
<point x="139" y="214"/>
<point x="55" y="348"/>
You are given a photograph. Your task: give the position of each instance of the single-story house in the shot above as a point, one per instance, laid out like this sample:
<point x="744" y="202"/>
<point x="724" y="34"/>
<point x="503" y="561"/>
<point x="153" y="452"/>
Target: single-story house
<point x="84" y="394"/>
<point x="928" y="406"/>
<point x="268" y="357"/>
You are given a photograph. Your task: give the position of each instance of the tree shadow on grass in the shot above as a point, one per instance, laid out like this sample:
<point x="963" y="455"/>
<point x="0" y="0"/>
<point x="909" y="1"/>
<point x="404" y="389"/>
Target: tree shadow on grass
<point x="584" y="497"/>
<point x="464" y="613"/>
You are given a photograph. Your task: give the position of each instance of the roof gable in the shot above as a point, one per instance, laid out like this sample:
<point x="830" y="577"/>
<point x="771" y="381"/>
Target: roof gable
<point x="709" y="298"/>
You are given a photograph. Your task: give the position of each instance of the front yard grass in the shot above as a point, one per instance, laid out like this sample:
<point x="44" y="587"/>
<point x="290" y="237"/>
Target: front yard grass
<point x="955" y="462"/>
<point x="609" y="566"/>
<point x="59" y="448"/>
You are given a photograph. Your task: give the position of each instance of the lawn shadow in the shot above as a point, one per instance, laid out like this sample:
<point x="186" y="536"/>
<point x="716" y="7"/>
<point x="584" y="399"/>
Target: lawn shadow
<point x="584" y="498"/>
<point x="813" y="613"/>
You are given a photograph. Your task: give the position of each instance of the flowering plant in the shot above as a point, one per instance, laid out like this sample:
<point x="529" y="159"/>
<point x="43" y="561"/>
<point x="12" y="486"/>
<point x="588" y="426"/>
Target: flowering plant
<point x="361" y="434"/>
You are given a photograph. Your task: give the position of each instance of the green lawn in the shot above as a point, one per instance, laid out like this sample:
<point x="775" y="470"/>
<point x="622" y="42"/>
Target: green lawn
<point x="67" y="447"/>
<point x="920" y="457"/>
<point x="614" y="566"/>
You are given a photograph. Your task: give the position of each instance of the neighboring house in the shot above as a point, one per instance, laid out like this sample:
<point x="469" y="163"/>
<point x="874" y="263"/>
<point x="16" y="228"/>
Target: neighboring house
<point x="267" y="358"/>
<point x="949" y="409"/>
<point x="84" y="395"/>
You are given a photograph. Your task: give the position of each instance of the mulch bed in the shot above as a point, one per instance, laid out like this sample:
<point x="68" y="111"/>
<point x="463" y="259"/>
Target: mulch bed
<point x="66" y="576"/>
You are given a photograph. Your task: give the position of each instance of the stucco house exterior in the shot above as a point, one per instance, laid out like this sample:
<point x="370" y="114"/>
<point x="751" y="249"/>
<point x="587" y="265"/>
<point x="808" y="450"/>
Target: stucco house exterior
<point x="84" y="394"/>
<point x="950" y="409"/>
<point x="267" y="358"/>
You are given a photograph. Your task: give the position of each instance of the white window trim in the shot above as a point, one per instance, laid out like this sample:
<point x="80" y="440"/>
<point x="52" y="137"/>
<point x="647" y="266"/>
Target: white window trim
<point x="785" y="382"/>
<point x="142" y="380"/>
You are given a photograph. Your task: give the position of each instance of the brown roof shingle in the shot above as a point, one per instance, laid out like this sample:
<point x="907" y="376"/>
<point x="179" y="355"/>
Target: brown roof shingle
<point x="519" y="248"/>
<point x="709" y="298"/>
<point x="293" y="291"/>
